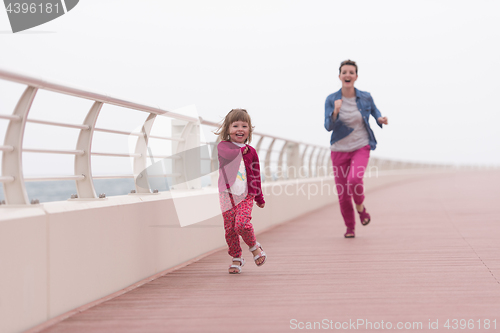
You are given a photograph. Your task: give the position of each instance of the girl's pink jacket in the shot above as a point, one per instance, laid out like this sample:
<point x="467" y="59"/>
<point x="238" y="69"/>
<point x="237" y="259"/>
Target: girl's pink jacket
<point x="229" y="163"/>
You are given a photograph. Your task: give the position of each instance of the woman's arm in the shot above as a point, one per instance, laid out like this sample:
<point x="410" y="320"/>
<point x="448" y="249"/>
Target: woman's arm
<point x="376" y="113"/>
<point x="332" y="113"/>
<point x="329" y="120"/>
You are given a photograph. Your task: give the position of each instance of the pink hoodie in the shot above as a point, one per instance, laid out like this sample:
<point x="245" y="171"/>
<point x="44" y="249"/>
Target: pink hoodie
<point x="229" y="162"/>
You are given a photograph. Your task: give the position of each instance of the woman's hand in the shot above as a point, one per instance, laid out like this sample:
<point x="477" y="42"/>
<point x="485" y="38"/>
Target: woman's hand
<point x="337" y="104"/>
<point x="260" y="205"/>
<point x="383" y="120"/>
<point x="336" y="110"/>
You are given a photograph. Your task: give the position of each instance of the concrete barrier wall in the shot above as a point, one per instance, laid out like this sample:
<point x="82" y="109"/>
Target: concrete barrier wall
<point x="24" y="268"/>
<point x="58" y="256"/>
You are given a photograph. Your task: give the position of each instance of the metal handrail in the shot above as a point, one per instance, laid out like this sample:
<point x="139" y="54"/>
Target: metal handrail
<point x="116" y="132"/>
<point x="10" y="117"/>
<point x="50" y="178"/>
<point x="185" y="135"/>
<point x="170" y="157"/>
<point x="166" y="138"/>
<point x="6" y="148"/>
<point x="65" y="89"/>
<point x="6" y="179"/>
<point x="132" y="176"/>
<point x="137" y="134"/>
<point x="113" y="176"/>
<point x="115" y="154"/>
<point x="52" y="123"/>
<point x="53" y="151"/>
<point x="215" y="124"/>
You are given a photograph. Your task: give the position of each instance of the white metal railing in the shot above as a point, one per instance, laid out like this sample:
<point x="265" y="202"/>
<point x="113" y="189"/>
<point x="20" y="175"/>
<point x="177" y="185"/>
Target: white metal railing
<point x="186" y="135"/>
<point x="294" y="159"/>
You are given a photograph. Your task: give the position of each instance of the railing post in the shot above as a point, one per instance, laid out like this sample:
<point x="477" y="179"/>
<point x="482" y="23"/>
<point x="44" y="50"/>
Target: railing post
<point x="318" y="163"/>
<point x="214" y="177"/>
<point x="85" y="187"/>
<point x="257" y="149"/>
<point x="322" y="167"/>
<point x="259" y="144"/>
<point x="293" y="161"/>
<point x="303" y="159"/>
<point x="189" y="164"/>
<point x="12" y="166"/>
<point x="326" y="158"/>
<point x="281" y="170"/>
<point x="310" y="171"/>
<point x="267" y="164"/>
<point x="329" y="163"/>
<point x="140" y="162"/>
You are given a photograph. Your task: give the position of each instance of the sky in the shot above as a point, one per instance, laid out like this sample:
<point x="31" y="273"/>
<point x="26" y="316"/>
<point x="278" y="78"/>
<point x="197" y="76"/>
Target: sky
<point x="431" y="66"/>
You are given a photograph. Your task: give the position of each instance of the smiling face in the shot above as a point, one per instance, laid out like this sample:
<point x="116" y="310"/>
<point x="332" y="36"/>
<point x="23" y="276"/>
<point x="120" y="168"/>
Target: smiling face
<point x="238" y="131"/>
<point x="348" y="76"/>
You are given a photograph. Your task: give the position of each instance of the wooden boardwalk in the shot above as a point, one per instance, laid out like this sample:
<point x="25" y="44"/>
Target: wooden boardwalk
<point x="430" y="254"/>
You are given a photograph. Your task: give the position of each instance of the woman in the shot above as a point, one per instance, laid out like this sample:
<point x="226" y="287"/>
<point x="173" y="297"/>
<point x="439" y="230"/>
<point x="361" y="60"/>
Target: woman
<point x="347" y="112"/>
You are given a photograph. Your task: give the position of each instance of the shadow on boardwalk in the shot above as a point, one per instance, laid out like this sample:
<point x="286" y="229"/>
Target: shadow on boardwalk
<point x="430" y="254"/>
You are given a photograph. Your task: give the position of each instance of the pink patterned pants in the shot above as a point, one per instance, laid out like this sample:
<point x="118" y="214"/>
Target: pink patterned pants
<point x="237" y="221"/>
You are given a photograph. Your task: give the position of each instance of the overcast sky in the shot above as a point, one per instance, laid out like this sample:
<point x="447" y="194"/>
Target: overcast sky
<point x="432" y="67"/>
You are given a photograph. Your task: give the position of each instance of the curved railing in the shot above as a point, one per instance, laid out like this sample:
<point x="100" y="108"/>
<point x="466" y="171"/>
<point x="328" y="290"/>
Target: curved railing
<point x="281" y="158"/>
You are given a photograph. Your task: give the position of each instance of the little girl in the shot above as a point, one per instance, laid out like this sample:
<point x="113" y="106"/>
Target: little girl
<point x="239" y="186"/>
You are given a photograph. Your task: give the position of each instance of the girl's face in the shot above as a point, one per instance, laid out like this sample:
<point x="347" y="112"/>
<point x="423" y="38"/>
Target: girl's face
<point x="348" y="76"/>
<point x="238" y="131"/>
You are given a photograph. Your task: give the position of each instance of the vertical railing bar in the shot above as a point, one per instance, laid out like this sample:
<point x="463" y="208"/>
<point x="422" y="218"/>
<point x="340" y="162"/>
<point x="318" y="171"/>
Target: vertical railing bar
<point x="267" y="163"/>
<point x="191" y="134"/>
<point x="214" y="164"/>
<point x="140" y="162"/>
<point x="179" y="165"/>
<point x="280" y="161"/>
<point x="83" y="164"/>
<point x="294" y="161"/>
<point x="259" y="144"/>
<point x="12" y="166"/>
<point x="303" y="157"/>
<point x="310" y="162"/>
<point x="329" y="166"/>
<point x="318" y="163"/>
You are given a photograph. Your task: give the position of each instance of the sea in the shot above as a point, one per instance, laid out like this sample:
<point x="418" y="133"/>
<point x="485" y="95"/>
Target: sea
<point x="47" y="191"/>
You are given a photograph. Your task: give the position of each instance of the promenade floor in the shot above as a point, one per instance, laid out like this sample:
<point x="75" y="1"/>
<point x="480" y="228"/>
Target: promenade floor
<point x="431" y="255"/>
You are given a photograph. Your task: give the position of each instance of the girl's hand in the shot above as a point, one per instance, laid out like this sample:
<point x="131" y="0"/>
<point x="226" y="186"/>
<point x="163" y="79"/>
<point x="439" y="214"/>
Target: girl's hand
<point x="261" y="205"/>
<point x="246" y="150"/>
<point x="383" y="120"/>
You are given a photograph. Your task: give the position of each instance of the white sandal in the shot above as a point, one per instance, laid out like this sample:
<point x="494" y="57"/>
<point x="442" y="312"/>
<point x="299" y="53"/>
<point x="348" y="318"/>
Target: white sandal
<point x="260" y="255"/>
<point x="242" y="263"/>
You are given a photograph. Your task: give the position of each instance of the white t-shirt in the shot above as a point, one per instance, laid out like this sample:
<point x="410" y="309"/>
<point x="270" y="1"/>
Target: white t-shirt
<point x="240" y="184"/>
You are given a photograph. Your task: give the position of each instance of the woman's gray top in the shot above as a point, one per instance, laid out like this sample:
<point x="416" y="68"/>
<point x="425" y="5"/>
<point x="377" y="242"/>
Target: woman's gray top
<point x="351" y="117"/>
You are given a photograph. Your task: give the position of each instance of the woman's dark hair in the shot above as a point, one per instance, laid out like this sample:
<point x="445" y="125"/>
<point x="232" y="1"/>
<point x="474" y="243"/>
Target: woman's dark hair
<point x="348" y="62"/>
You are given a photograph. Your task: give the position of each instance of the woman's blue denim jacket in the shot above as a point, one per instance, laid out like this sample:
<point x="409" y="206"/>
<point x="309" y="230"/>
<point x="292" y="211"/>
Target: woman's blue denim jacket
<point x="365" y="105"/>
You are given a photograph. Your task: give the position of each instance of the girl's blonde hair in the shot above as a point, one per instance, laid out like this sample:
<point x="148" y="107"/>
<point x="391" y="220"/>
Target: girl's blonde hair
<point x="234" y="115"/>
